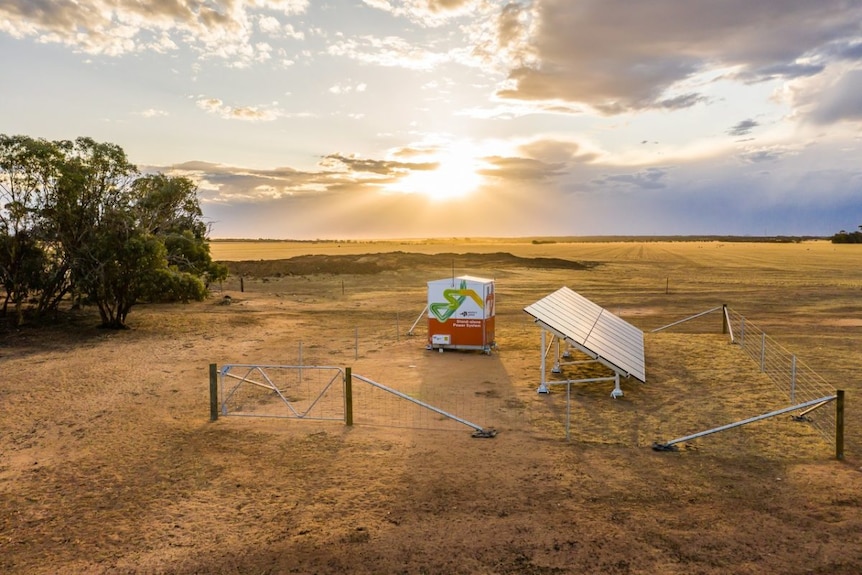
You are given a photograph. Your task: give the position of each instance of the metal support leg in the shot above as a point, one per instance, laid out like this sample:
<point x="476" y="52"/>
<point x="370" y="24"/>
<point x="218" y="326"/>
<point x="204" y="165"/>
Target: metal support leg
<point x="542" y="387"/>
<point x="617" y="392"/>
<point x="557" y="368"/>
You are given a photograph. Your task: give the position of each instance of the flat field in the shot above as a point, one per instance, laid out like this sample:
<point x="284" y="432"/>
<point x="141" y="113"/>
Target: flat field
<point x="109" y="462"/>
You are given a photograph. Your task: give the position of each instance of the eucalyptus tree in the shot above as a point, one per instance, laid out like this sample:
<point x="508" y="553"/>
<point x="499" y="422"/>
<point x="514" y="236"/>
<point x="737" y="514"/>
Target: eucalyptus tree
<point x="28" y="167"/>
<point x="169" y="208"/>
<point x="78" y="219"/>
<point x="132" y="238"/>
<point x="124" y="268"/>
<point x="82" y="216"/>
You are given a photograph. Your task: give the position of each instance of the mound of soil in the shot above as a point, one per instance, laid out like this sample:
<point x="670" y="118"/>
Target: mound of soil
<point x="366" y="264"/>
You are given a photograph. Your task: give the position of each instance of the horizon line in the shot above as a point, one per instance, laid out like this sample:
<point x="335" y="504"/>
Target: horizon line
<point x="609" y="237"/>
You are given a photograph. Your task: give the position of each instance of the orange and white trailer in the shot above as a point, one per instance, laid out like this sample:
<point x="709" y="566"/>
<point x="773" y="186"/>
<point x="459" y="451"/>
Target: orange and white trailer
<point x="461" y="313"/>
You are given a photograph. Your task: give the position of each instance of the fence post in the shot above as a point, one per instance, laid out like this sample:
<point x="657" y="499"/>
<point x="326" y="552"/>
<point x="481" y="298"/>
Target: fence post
<point x="839" y="424"/>
<point x="348" y="396"/>
<point x="723" y="318"/>
<point x="213" y="392"/>
<point x="726" y="324"/>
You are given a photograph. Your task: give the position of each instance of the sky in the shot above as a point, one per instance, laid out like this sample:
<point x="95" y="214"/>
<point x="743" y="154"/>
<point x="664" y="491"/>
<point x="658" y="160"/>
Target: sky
<point x="373" y="119"/>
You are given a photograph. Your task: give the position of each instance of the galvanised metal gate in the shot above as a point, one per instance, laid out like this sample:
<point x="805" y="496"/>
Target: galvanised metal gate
<point x="285" y="391"/>
<point x="330" y="393"/>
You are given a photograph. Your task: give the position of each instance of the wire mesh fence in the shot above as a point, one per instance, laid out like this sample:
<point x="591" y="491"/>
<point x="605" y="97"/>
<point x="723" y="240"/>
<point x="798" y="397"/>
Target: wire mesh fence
<point x="331" y="342"/>
<point x="417" y="404"/>
<point x="319" y="393"/>
<point x="787" y="371"/>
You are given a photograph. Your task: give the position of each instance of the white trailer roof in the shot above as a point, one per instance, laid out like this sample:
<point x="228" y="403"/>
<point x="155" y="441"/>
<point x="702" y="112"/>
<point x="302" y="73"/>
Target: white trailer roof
<point x="453" y="279"/>
<point x="592" y="329"/>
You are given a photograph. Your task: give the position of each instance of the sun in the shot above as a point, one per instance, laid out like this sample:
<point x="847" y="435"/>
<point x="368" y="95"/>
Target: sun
<point x="455" y="177"/>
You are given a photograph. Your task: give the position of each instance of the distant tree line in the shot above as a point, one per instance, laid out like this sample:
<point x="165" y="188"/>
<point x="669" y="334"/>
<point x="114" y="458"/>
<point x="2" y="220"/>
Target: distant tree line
<point x="844" y="237"/>
<point x="688" y="238"/>
<point x="79" y="224"/>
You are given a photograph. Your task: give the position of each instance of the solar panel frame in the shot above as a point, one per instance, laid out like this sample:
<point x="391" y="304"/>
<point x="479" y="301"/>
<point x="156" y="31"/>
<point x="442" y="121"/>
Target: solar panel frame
<point x="593" y="329"/>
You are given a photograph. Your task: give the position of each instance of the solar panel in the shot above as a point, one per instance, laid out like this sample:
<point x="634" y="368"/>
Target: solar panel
<point x="596" y="331"/>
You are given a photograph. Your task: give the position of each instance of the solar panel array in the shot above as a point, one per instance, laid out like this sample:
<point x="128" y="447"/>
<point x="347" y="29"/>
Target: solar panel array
<point x="605" y="336"/>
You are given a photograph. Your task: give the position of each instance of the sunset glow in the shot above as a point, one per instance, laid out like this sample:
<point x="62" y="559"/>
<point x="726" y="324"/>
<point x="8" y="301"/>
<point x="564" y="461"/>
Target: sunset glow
<point x="454" y="178"/>
<point x="680" y="118"/>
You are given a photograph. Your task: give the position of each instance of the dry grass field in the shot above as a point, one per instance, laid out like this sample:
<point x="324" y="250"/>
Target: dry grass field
<point x="109" y="463"/>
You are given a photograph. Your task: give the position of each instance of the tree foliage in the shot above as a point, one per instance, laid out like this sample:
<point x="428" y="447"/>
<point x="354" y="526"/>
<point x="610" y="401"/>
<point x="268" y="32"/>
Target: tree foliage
<point x="78" y="221"/>
<point x="844" y="237"/>
<point x="168" y="208"/>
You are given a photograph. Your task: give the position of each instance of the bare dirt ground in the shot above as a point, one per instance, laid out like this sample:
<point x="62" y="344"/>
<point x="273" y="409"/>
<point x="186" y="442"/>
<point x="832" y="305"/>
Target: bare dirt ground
<point x="109" y="462"/>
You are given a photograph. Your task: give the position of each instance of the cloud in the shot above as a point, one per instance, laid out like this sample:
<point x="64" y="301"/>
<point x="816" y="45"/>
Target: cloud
<point x="557" y="152"/>
<point x="849" y="50"/>
<point x="430" y="13"/>
<point x="389" y="51"/>
<point x="365" y="167"/>
<point x="335" y="173"/>
<point x="287" y="7"/>
<point x="221" y="183"/>
<point x="760" y="156"/>
<point x="153" y="113"/>
<point x="828" y="99"/>
<point x="524" y="169"/>
<point x="272" y="26"/>
<point x="782" y="70"/>
<point x="244" y="113"/>
<point x="510" y="26"/>
<point x="515" y="109"/>
<point x="743" y="128"/>
<point x="619" y="56"/>
<point x="413" y="151"/>
<point x="649" y="179"/>
<point x="839" y="101"/>
<point x="680" y="102"/>
<point x="345" y="88"/>
<point x="217" y="28"/>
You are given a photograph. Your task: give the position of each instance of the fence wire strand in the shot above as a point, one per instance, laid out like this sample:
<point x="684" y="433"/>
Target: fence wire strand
<point x="790" y="374"/>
